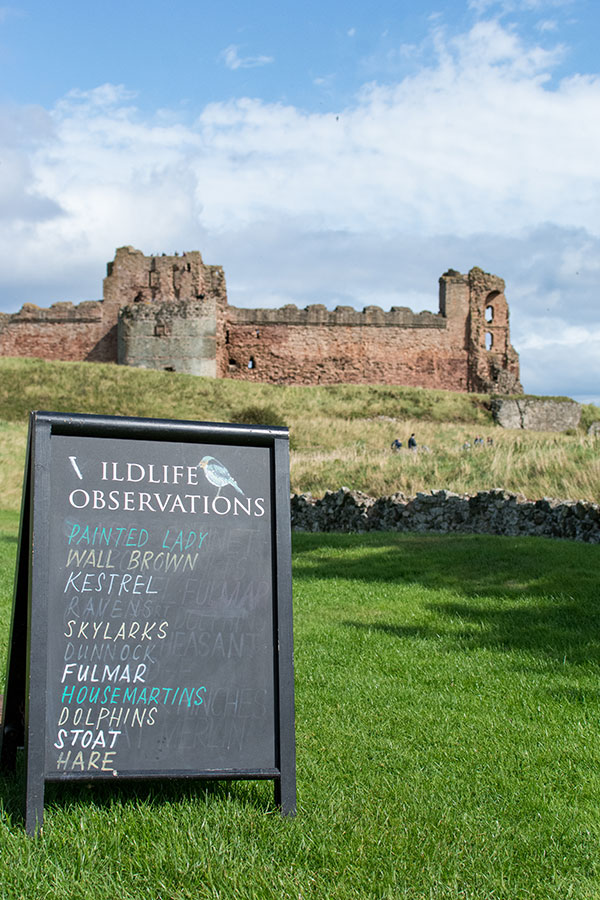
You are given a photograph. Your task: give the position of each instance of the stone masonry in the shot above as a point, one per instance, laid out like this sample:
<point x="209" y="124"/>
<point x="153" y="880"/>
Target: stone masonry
<point x="442" y="512"/>
<point x="536" y="413"/>
<point x="171" y="313"/>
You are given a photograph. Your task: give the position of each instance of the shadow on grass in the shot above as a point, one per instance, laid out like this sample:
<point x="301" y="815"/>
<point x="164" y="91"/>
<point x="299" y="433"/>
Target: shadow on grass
<point x="539" y="629"/>
<point x="150" y="793"/>
<point x="156" y="792"/>
<point x="531" y="594"/>
<point x="471" y="565"/>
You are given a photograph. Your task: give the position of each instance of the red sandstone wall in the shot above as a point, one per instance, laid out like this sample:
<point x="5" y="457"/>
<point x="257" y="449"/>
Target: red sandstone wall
<point x="317" y="346"/>
<point x="63" y="332"/>
<point x="321" y="354"/>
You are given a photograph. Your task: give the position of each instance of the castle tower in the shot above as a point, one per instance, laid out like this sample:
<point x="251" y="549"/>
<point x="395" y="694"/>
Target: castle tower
<point x="170" y="311"/>
<point x="493" y="362"/>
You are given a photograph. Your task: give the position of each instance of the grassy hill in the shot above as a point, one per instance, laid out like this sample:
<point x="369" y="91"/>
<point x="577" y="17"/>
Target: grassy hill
<point x="340" y="434"/>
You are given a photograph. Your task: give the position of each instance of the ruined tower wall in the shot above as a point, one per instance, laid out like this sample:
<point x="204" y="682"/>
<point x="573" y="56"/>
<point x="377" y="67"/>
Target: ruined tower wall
<point x="172" y="311"/>
<point x="134" y="278"/>
<point x="494" y="364"/>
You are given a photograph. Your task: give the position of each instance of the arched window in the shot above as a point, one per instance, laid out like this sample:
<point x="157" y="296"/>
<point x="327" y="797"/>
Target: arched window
<point x="251" y="362"/>
<point x="489" y="314"/>
<point x="489" y="340"/>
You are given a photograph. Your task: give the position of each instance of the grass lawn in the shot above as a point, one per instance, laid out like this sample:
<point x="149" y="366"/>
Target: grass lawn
<point x="448" y="716"/>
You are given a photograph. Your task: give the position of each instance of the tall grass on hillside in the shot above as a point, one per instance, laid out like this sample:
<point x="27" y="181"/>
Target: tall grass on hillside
<point x="358" y="455"/>
<point x="447" y="745"/>
<point x="340" y="435"/>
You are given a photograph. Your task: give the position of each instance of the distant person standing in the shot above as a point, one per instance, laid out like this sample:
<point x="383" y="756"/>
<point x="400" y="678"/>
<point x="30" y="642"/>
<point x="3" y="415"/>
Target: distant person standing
<point x="412" y="442"/>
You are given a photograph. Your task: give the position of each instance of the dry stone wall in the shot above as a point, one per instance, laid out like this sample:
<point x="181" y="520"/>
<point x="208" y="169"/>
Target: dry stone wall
<point x="442" y="512"/>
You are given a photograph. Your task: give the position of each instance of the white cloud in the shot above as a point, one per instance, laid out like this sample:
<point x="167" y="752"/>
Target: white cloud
<point x="234" y="61"/>
<point x="552" y="334"/>
<point x="473" y="160"/>
<point x="474" y="142"/>
<point x="564" y="367"/>
<point x="547" y="25"/>
<point x="22" y="130"/>
<point x="101" y="97"/>
<point x="513" y="6"/>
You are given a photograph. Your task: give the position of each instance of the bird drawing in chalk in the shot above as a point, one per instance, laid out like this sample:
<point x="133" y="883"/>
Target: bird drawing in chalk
<point x="217" y="474"/>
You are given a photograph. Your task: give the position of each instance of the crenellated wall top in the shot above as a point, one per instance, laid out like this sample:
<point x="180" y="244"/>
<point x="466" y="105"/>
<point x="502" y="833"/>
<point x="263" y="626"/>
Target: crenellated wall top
<point x="61" y="312"/>
<point x="318" y="314"/>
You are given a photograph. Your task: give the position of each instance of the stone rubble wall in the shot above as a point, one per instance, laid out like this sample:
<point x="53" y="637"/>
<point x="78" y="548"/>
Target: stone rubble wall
<point x="442" y="512"/>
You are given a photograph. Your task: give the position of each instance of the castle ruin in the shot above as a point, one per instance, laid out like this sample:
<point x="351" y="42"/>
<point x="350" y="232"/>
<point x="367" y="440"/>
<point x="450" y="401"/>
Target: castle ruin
<point x="171" y="313"/>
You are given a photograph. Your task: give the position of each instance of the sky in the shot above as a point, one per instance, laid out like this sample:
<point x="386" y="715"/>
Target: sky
<point x="321" y="152"/>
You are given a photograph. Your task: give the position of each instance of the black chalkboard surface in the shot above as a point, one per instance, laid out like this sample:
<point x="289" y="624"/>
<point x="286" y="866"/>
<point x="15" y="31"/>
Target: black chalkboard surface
<point x="152" y="618"/>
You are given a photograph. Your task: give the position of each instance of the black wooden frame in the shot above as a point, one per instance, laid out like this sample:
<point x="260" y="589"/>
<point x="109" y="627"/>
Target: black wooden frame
<point x="24" y="720"/>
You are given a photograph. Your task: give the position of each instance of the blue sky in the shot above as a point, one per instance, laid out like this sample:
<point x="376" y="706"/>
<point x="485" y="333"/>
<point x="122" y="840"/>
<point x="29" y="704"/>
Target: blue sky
<point x="320" y="152"/>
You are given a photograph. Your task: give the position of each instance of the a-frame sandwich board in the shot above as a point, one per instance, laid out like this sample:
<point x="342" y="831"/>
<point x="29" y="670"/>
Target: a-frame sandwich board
<point x="151" y="634"/>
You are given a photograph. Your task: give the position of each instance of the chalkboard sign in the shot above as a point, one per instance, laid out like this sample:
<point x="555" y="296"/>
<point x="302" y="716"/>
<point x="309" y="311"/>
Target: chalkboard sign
<point x="152" y="620"/>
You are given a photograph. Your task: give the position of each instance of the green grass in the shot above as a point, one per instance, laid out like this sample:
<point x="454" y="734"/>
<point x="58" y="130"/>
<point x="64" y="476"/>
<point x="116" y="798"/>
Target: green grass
<point x="27" y="384"/>
<point x="448" y="717"/>
<point x="9" y="526"/>
<point x="340" y="435"/>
